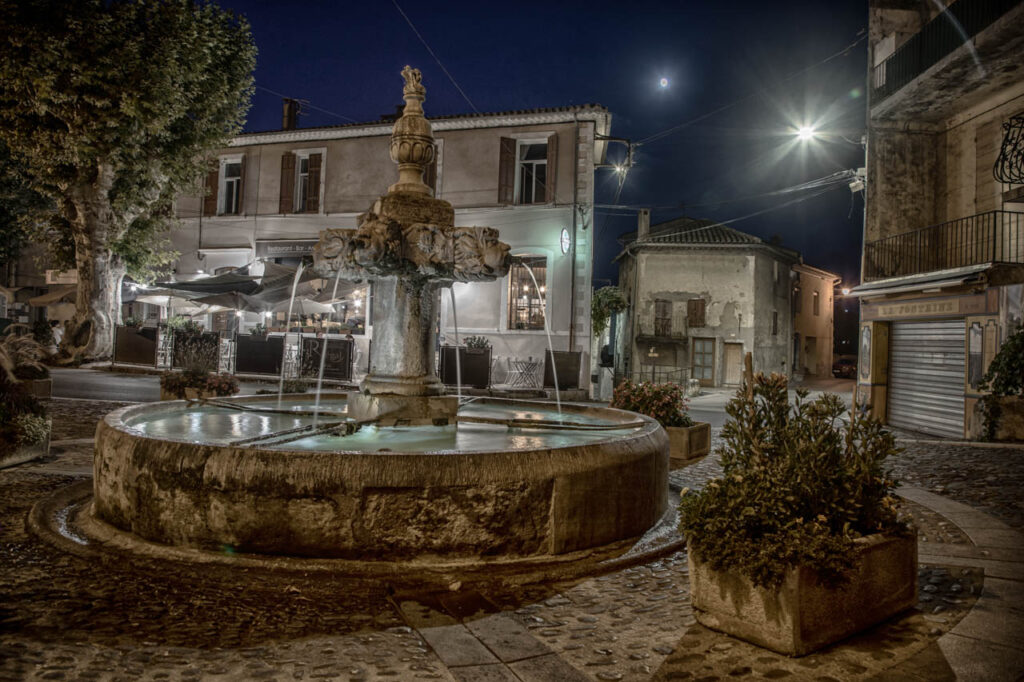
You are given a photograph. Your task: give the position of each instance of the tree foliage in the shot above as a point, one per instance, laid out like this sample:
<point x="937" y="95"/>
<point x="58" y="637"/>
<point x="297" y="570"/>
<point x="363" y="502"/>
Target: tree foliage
<point x="798" y="486"/>
<point x="110" y="108"/>
<point x="1005" y="377"/>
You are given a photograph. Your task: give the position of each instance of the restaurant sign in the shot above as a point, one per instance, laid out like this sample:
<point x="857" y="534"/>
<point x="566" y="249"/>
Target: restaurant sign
<point x="285" y="248"/>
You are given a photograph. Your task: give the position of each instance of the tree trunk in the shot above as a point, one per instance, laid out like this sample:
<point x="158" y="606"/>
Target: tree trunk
<point x="98" y="302"/>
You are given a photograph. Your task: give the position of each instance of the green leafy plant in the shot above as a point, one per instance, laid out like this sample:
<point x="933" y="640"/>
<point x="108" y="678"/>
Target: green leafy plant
<point x="258" y="330"/>
<point x="605" y="302"/>
<point x="20" y="354"/>
<point x="1004" y="378"/>
<point x="132" y="322"/>
<point x="477" y="342"/>
<point x="798" y="487"/>
<point x="31" y="429"/>
<point x="665" y="403"/>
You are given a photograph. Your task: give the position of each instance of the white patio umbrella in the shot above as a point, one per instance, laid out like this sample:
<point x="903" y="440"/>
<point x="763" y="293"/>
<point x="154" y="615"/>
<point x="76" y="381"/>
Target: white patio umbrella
<point x="303" y="306"/>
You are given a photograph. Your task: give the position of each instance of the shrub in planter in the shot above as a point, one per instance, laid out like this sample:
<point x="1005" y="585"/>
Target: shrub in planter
<point x="199" y="384"/>
<point x="258" y="330"/>
<point x="1002" y="410"/>
<point x="667" y="404"/>
<point x="803" y="497"/>
<point x="24" y="427"/>
<point x="477" y="342"/>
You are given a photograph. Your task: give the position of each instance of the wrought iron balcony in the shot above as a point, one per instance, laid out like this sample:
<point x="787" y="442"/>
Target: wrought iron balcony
<point x="939" y="37"/>
<point x="991" y="237"/>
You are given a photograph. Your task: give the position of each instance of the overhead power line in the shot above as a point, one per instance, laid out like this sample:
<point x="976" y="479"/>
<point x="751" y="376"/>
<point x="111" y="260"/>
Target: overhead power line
<point x="306" y="104"/>
<point x="436" y="59"/>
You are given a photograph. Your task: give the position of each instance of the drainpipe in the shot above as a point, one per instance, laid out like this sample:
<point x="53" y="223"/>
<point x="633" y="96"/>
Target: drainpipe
<point x="572" y="245"/>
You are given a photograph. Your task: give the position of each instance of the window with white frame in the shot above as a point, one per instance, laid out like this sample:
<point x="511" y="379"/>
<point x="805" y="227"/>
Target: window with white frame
<point x="531" y="171"/>
<point x="230" y="189"/>
<point x="301" y="172"/>
<point x="525" y="295"/>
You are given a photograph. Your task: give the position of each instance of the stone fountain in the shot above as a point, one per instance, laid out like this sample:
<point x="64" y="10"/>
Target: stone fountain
<point x="398" y="472"/>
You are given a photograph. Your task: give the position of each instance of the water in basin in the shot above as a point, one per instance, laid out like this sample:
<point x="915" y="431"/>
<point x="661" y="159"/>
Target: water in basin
<point x="222" y="426"/>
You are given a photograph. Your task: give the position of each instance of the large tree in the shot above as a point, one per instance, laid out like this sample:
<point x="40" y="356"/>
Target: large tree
<point x="110" y="108"/>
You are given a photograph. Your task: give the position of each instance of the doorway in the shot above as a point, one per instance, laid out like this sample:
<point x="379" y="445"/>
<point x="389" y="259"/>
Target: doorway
<point x="733" y="363"/>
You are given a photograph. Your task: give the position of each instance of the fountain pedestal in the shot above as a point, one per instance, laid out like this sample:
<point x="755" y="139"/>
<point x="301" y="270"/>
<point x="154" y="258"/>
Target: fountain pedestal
<point x="408" y="246"/>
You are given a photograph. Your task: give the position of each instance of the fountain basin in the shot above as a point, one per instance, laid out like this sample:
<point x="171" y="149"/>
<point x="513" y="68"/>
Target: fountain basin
<point x="533" y="494"/>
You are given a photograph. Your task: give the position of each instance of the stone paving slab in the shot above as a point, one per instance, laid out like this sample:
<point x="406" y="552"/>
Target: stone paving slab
<point x="980" y="661"/>
<point x="504" y="636"/>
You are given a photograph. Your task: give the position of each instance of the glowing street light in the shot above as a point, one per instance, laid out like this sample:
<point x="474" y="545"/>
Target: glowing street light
<point x="805" y="133"/>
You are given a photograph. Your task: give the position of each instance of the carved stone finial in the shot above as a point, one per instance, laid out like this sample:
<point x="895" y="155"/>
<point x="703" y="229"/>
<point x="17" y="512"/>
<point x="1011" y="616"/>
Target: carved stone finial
<point x="412" y="139"/>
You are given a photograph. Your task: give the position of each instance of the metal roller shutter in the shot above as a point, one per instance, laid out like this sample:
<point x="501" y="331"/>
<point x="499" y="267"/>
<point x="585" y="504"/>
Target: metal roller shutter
<point x="926" y="377"/>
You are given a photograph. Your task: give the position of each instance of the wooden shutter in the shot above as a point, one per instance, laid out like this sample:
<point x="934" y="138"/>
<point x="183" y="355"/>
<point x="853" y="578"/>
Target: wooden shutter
<point x="695" y="312"/>
<point x="287" y="202"/>
<point x="549" y="190"/>
<point x="241" y="188"/>
<point x="313" y="184"/>
<point x="212" y="184"/>
<point x="507" y="171"/>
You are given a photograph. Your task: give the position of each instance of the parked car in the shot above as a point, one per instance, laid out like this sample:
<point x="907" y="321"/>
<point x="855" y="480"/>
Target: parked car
<point x="844" y="368"/>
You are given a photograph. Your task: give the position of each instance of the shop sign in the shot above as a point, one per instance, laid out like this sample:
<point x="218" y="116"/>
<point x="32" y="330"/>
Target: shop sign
<point x="928" y="307"/>
<point x="62" y="276"/>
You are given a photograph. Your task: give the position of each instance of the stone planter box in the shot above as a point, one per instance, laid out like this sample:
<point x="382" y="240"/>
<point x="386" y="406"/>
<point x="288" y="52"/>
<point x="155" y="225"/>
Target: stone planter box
<point x="40" y="388"/>
<point x="1010" y="425"/>
<point x="802" y="615"/>
<point x="27" y="453"/>
<point x="688" y="443"/>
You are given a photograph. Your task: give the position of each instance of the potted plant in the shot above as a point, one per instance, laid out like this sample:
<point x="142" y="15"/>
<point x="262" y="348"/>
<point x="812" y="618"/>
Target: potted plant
<point x="258" y="329"/>
<point x="798" y="545"/>
<point x="132" y="323"/>
<point x="196" y="378"/>
<point x="26" y="354"/>
<point x="666" y="404"/>
<point x="474" y="363"/>
<point x="605" y="302"/>
<point x="24" y="426"/>
<point x="1000" y="415"/>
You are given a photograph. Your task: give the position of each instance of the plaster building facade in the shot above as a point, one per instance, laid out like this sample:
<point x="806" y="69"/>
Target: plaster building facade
<point x="701" y="295"/>
<point x="943" y="261"/>
<point x="529" y="174"/>
<point x="813" y="327"/>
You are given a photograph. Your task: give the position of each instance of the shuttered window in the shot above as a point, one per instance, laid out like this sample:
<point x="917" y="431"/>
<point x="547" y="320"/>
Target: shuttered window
<point x="231" y="186"/>
<point x="526" y="170"/>
<point x="695" y="312"/>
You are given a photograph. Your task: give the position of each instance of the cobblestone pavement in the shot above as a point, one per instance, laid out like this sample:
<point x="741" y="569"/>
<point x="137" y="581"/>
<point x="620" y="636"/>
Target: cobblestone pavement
<point x="65" y="618"/>
<point x="989" y="479"/>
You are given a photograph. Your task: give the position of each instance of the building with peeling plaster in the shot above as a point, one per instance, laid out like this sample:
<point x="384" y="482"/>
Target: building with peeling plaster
<point x="943" y="263"/>
<point x="701" y="295"/>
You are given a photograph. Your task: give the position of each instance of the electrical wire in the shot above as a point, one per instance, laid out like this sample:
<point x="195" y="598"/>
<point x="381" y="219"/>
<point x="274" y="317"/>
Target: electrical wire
<point x="305" y="103"/>
<point x="730" y="105"/>
<point x="436" y="59"/>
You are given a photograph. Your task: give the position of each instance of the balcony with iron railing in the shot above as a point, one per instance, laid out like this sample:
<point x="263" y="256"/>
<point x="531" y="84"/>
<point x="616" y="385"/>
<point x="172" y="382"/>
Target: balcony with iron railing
<point x="990" y="237"/>
<point x="952" y="29"/>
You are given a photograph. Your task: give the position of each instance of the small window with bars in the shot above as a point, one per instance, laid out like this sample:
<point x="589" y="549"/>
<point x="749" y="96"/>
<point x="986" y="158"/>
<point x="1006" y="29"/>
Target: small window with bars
<point x="527" y="294"/>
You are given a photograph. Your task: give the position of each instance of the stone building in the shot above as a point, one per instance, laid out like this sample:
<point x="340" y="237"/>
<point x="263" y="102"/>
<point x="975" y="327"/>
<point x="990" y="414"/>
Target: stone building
<point x="701" y="295"/>
<point x="943" y="261"/>
<point x="530" y="174"/>
<point x="813" y="328"/>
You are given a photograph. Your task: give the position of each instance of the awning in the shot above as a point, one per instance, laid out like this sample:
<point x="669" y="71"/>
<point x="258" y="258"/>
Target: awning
<point x="218" y="284"/>
<point x="941" y="279"/>
<point x="58" y="293"/>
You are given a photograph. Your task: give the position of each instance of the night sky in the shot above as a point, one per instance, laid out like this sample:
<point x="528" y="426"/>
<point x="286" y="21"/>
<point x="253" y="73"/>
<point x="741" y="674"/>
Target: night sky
<point x="344" y="58"/>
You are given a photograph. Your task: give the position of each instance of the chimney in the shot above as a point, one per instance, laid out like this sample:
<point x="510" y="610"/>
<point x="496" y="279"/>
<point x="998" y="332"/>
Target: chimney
<point x="289" y="114"/>
<point x="643" y="224"/>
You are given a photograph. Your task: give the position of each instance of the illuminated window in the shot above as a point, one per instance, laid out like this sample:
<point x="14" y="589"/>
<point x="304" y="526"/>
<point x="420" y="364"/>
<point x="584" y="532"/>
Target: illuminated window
<point x="526" y="298"/>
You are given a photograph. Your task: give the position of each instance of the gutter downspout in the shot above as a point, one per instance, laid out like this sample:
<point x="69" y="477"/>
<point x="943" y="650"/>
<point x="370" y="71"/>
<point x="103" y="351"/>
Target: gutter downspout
<point x="572" y="246"/>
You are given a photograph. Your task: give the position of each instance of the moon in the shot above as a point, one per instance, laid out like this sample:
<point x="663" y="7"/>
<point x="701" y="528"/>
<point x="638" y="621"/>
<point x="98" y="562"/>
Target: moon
<point x="663" y="82"/>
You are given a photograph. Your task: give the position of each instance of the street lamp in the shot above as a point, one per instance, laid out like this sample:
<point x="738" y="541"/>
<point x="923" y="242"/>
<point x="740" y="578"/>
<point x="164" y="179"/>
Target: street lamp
<point x="805" y="133"/>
